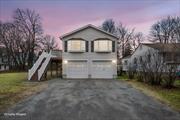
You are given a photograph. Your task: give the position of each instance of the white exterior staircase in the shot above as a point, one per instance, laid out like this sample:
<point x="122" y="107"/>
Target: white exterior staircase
<point x="41" y="65"/>
<point x="44" y="66"/>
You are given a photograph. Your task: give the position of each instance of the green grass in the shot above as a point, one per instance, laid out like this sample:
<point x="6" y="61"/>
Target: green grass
<point x="177" y="82"/>
<point x="14" y="87"/>
<point x="12" y="82"/>
<point x="170" y="97"/>
<point x="123" y="77"/>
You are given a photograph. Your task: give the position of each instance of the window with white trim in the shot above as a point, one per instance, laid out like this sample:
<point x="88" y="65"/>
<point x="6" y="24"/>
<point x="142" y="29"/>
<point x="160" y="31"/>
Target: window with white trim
<point x="76" y="45"/>
<point x="103" y="45"/>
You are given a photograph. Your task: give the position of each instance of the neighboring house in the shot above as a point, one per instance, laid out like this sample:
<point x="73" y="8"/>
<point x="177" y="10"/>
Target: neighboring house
<point x="125" y="63"/>
<point x="3" y="60"/>
<point x="3" y="64"/>
<point x="170" y="53"/>
<point x="89" y="52"/>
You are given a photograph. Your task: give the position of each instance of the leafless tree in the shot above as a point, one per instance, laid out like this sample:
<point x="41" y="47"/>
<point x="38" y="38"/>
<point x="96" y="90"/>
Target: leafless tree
<point x="137" y="39"/>
<point x="177" y="28"/>
<point x="29" y="23"/>
<point x="21" y="37"/>
<point x="127" y="49"/>
<point x="166" y="30"/>
<point x="49" y="43"/>
<point x="12" y="38"/>
<point x="125" y="36"/>
<point x="109" y="26"/>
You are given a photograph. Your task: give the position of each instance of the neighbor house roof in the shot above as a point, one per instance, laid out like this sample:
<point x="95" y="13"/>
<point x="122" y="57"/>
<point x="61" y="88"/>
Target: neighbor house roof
<point x="85" y="27"/>
<point x="169" y="47"/>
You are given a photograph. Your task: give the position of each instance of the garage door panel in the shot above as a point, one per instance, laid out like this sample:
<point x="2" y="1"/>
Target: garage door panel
<point x="102" y="70"/>
<point x="77" y="70"/>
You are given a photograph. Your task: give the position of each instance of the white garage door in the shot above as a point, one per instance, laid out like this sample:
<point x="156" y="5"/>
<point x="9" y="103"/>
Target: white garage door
<point x="102" y="69"/>
<point x="77" y="69"/>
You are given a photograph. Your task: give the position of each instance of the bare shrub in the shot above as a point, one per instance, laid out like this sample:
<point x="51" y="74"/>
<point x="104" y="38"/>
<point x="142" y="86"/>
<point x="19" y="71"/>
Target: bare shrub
<point x="170" y="76"/>
<point x="131" y="72"/>
<point x="150" y="68"/>
<point x="140" y="76"/>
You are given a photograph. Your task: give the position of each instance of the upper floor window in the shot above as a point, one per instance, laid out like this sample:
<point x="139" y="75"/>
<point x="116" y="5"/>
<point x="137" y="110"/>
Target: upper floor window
<point x="76" y="45"/>
<point x="103" y="46"/>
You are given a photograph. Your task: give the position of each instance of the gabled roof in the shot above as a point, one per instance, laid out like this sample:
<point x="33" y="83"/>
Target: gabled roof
<point x="85" y="27"/>
<point x="169" y="47"/>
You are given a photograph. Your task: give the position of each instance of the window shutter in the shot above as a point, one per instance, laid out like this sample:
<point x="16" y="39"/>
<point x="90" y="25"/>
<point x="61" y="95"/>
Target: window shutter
<point x="65" y="46"/>
<point x="87" y="46"/>
<point x="92" y="46"/>
<point x="113" y="46"/>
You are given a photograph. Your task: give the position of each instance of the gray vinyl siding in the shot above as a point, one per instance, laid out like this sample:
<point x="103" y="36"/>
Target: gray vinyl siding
<point x="89" y="35"/>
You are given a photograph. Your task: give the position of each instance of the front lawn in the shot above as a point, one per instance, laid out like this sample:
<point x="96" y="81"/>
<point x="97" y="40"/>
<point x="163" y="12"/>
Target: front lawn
<point x="170" y="97"/>
<point x="14" y="87"/>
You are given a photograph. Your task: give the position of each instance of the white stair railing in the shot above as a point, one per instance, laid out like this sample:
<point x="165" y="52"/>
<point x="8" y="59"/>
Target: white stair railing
<point x="44" y="65"/>
<point x="36" y="65"/>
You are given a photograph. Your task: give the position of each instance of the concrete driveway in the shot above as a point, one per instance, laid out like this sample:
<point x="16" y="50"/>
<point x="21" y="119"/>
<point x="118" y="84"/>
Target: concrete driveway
<point x="91" y="100"/>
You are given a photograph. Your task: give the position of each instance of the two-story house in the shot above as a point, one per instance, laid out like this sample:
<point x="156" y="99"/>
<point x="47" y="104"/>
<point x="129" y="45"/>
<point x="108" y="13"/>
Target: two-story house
<point x="89" y="52"/>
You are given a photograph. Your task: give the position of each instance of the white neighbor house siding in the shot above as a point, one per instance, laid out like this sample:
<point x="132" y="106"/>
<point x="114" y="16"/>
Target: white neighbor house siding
<point x="90" y="34"/>
<point x="125" y="63"/>
<point x="4" y="67"/>
<point x="141" y="51"/>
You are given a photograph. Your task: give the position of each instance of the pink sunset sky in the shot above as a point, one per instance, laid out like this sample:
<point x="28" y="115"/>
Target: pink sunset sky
<point x="62" y="16"/>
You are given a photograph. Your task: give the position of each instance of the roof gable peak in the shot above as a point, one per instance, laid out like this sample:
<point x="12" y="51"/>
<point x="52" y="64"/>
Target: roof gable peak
<point x="85" y="27"/>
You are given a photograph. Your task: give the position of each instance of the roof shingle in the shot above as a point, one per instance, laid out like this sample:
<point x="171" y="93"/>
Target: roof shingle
<point x="169" y="47"/>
